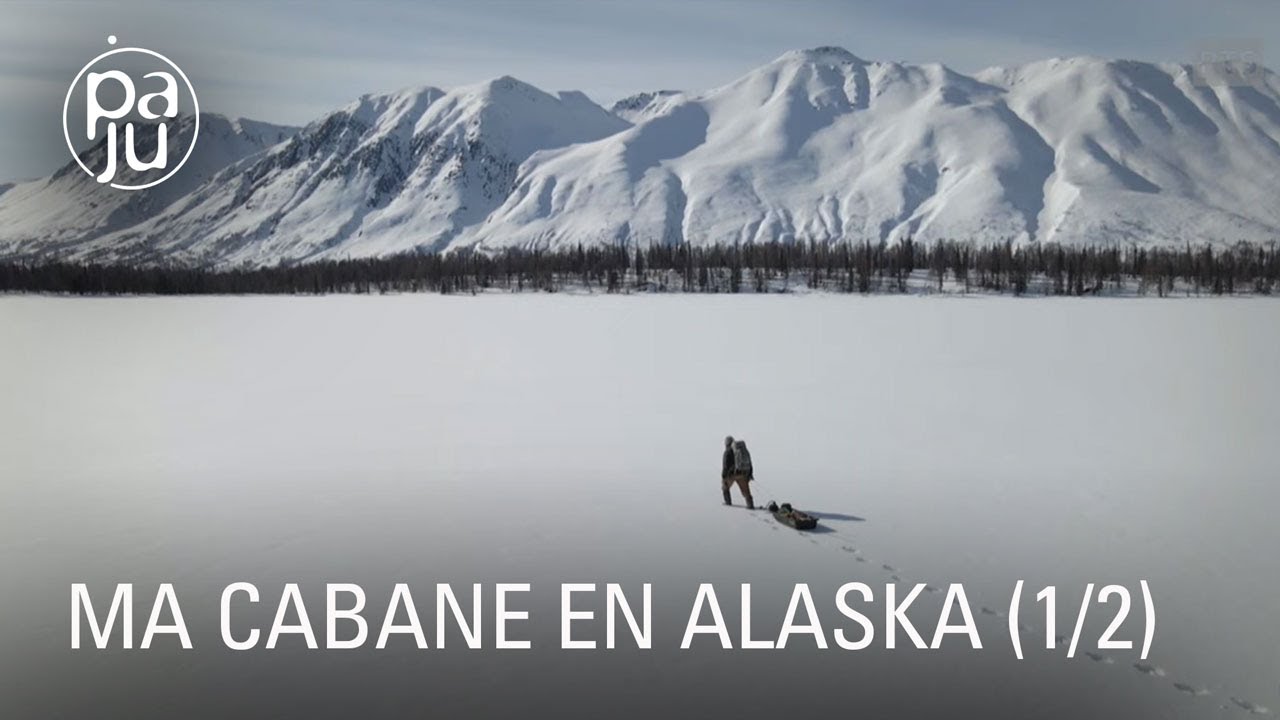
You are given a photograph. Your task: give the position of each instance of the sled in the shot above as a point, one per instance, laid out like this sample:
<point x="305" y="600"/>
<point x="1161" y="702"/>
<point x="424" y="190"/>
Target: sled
<point x="791" y="517"/>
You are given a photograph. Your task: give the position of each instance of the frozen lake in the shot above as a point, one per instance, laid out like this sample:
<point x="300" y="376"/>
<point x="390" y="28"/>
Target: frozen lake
<point x="550" y="439"/>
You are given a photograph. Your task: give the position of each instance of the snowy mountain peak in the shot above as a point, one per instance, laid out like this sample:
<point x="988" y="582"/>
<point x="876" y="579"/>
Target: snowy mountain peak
<point x="815" y="145"/>
<point x="640" y="100"/>
<point x="824" y="55"/>
<point x="642" y="105"/>
<point x="514" y="119"/>
<point x="506" y="89"/>
<point x="386" y="110"/>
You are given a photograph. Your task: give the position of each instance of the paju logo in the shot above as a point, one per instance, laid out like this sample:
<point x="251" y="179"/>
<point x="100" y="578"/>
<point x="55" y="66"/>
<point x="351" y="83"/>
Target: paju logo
<point x="106" y="90"/>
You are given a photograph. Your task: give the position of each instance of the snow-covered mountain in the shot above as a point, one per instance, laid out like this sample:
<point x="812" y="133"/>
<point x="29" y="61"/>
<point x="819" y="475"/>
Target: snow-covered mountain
<point x="387" y="173"/>
<point x="822" y="145"/>
<point x="67" y="211"/>
<point x="818" y="144"/>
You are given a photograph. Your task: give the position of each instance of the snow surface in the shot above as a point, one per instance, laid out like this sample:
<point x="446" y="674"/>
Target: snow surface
<point x="556" y="439"/>
<point x="818" y="144"/>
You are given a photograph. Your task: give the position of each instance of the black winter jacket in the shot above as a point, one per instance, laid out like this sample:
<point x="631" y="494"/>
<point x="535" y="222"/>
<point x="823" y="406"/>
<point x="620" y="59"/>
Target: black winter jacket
<point x="727" y="466"/>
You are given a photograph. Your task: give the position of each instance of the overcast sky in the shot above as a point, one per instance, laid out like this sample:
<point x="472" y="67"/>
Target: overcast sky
<point x="291" y="61"/>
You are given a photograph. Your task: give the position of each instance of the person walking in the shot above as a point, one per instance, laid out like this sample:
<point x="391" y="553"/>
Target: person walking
<point x="735" y="468"/>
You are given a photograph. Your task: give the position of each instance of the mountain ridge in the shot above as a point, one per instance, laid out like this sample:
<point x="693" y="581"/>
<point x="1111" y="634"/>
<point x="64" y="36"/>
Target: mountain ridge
<point x="817" y="144"/>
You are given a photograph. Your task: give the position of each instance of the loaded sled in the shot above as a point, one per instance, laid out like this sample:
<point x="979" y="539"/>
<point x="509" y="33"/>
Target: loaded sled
<point x="791" y="517"/>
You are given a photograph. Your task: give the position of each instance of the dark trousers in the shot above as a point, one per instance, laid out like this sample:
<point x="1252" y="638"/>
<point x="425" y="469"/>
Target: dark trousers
<point x="744" y="485"/>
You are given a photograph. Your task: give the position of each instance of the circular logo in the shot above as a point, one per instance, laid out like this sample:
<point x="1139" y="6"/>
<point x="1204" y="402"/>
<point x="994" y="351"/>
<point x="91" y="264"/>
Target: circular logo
<point x="125" y="104"/>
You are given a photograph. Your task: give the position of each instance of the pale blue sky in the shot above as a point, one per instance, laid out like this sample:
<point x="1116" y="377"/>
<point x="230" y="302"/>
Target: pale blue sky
<point x="290" y="61"/>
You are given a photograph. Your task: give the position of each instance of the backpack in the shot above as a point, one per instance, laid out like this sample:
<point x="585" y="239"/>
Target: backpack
<point x="741" y="458"/>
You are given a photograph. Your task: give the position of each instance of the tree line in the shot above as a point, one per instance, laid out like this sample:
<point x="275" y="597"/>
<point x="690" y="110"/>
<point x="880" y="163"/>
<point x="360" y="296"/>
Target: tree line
<point x="848" y="267"/>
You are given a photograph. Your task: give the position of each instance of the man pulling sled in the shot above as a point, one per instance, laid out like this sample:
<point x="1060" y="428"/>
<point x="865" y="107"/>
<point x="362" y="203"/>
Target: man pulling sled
<point x="735" y="469"/>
